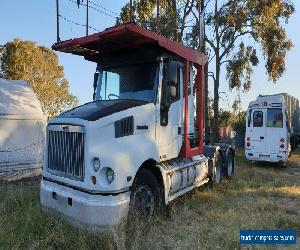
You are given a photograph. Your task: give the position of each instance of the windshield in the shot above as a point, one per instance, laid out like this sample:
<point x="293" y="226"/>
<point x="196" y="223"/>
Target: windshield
<point x="135" y="82"/>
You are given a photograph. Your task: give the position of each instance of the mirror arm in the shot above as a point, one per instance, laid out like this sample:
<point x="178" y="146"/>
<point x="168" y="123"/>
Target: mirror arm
<point x="96" y="76"/>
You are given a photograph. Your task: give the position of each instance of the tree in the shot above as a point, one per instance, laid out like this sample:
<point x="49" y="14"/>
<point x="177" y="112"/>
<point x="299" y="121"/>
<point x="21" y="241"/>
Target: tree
<point x="38" y="66"/>
<point x="234" y="30"/>
<point x="145" y="16"/>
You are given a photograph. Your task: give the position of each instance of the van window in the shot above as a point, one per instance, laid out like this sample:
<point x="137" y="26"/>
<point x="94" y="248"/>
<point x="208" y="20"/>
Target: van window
<point x="249" y="117"/>
<point x="258" y="119"/>
<point x="274" y="118"/>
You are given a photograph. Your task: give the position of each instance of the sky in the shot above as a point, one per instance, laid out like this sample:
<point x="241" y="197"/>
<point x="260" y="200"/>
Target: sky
<point x="36" y="20"/>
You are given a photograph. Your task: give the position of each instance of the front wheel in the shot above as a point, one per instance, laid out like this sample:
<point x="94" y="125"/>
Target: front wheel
<point x="145" y="201"/>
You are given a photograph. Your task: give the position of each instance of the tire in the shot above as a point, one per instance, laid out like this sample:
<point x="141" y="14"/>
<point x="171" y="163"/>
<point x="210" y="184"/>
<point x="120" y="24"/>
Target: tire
<point x="229" y="164"/>
<point x="282" y="164"/>
<point x="145" y="201"/>
<point x="216" y="176"/>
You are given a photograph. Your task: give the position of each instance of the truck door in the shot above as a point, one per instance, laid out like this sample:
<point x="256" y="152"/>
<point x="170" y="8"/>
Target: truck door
<point x="275" y="129"/>
<point x="169" y="124"/>
<point x="258" y="131"/>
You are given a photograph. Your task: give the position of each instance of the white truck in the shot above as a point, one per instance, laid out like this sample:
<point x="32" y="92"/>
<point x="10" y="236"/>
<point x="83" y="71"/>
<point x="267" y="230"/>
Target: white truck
<point x="272" y="123"/>
<point x="139" y="144"/>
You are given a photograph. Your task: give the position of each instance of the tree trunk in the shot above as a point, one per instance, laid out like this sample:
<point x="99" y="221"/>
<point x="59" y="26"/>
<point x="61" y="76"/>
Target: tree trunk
<point x="216" y="101"/>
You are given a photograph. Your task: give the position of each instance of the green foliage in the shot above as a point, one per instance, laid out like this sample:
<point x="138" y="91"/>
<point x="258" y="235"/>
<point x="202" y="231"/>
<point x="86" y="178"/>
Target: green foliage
<point x="38" y="65"/>
<point x="239" y="123"/>
<point x="229" y="24"/>
<point x="171" y="18"/>
<point x="239" y="69"/>
<point x="225" y="118"/>
<point x="236" y="121"/>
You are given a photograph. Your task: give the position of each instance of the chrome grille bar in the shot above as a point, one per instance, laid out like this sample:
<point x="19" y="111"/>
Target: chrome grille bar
<point x="66" y="151"/>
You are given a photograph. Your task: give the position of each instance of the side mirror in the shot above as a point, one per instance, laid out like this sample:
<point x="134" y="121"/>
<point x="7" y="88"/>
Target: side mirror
<point x="96" y="76"/>
<point x="169" y="79"/>
<point x="165" y="97"/>
<point x="171" y="73"/>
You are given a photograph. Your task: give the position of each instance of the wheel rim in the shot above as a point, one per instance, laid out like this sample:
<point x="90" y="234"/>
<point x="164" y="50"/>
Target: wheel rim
<point x="143" y="203"/>
<point x="218" y="171"/>
<point x="229" y="165"/>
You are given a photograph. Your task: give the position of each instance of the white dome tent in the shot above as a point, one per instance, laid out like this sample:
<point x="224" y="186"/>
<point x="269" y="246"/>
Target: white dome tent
<point x="22" y="127"/>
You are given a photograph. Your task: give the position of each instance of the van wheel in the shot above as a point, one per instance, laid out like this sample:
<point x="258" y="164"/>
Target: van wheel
<point x="229" y="171"/>
<point x="283" y="164"/>
<point x="145" y="201"/>
<point x="216" y="176"/>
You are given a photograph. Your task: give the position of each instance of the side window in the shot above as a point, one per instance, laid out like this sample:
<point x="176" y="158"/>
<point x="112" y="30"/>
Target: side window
<point x="274" y="118"/>
<point x="249" y="117"/>
<point x="258" y="119"/>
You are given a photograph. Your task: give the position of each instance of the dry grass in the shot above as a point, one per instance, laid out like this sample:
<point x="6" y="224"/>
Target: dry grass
<point x="259" y="197"/>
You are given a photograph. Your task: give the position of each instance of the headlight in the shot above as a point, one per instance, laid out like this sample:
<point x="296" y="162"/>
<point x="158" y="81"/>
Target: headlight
<point x="110" y="175"/>
<point x="96" y="164"/>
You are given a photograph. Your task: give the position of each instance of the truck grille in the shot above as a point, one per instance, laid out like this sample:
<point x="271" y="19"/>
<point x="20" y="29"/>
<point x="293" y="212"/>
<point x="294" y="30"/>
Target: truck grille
<point x="66" y="151"/>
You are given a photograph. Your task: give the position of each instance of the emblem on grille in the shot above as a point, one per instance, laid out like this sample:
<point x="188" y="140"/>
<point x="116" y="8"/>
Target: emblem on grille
<point x="66" y="128"/>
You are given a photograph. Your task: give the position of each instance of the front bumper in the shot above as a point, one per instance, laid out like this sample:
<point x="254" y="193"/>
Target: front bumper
<point x="88" y="211"/>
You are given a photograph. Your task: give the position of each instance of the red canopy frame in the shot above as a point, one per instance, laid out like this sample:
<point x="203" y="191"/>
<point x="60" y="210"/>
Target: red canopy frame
<point x="186" y="150"/>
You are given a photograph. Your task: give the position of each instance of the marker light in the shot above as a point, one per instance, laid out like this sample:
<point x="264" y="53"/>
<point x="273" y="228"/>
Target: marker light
<point x="282" y="140"/>
<point x="94" y="180"/>
<point x="110" y="175"/>
<point x="282" y="146"/>
<point x="248" y="144"/>
<point x="96" y="164"/>
<point x="248" y="138"/>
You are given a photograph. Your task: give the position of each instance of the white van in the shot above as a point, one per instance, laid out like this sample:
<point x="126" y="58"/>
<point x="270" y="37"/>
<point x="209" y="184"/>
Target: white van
<point x="267" y="136"/>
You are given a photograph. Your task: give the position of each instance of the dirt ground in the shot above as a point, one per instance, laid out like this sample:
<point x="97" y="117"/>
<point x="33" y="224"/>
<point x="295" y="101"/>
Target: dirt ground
<point x="260" y="196"/>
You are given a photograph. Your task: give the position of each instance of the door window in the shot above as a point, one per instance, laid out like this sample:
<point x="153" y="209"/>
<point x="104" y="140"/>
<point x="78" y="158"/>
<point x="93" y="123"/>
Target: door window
<point x="258" y="119"/>
<point x="274" y="118"/>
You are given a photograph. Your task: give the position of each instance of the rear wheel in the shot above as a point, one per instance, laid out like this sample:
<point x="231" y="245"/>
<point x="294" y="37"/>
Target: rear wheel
<point x="229" y="171"/>
<point x="282" y="164"/>
<point x="216" y="176"/>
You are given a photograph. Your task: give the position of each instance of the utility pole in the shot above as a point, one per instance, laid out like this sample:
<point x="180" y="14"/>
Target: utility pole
<point x="157" y="17"/>
<point x="87" y="17"/>
<point x="130" y="10"/>
<point x="57" y="21"/>
<point x="202" y="47"/>
<point x="201" y="27"/>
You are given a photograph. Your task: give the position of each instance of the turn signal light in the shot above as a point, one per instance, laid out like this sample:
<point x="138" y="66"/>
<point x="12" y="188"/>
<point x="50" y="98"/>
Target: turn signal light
<point x="282" y="146"/>
<point x="94" y="180"/>
<point x="248" y="138"/>
<point x="248" y="144"/>
<point x="282" y="140"/>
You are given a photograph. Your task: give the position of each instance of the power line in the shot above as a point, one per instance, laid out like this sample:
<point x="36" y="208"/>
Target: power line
<point x="93" y="8"/>
<point x="102" y="7"/>
<point x="78" y="24"/>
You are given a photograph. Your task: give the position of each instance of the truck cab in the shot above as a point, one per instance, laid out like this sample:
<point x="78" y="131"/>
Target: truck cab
<point x="267" y="137"/>
<point x="139" y="144"/>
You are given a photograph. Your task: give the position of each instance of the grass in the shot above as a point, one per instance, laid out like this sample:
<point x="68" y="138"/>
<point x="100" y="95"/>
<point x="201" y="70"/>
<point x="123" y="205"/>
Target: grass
<point x="258" y="197"/>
